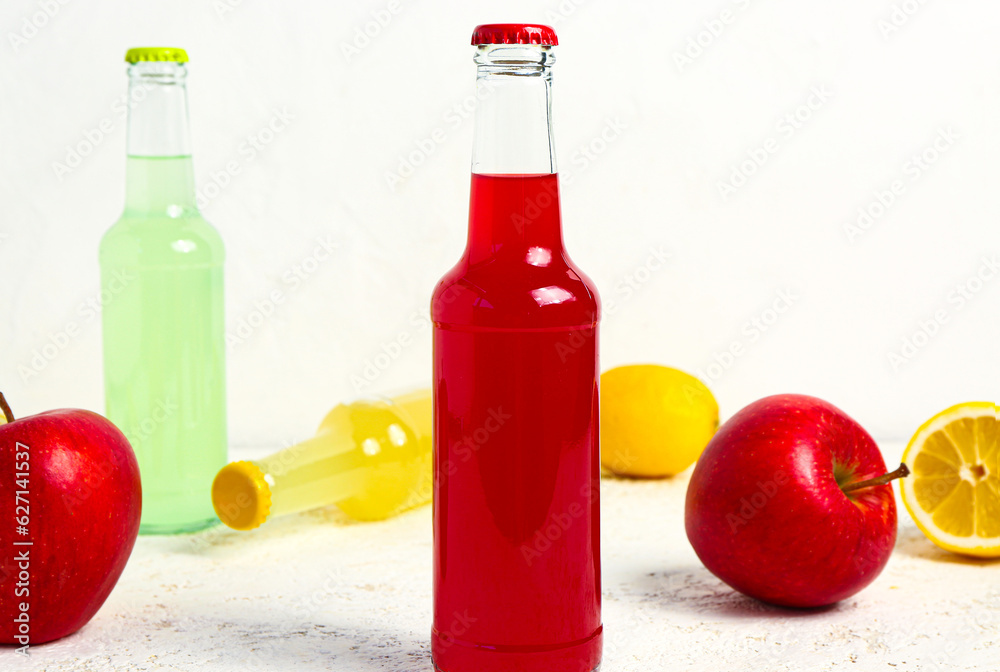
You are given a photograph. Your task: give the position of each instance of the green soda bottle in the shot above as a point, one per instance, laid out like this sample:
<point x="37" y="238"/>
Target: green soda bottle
<point x="163" y="318"/>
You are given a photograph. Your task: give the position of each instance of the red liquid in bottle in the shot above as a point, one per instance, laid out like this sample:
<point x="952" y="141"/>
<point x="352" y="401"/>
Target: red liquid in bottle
<point x="516" y="510"/>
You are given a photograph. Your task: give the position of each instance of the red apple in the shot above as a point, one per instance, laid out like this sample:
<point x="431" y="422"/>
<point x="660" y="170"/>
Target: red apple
<point x="789" y="503"/>
<point x="69" y="487"/>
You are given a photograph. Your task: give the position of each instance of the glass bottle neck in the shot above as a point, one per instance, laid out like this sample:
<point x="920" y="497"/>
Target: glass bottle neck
<point x="514" y="206"/>
<point x="513" y="121"/>
<point x="159" y="174"/>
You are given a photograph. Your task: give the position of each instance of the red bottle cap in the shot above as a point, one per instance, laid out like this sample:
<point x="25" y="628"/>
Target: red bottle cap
<point x="514" y="33"/>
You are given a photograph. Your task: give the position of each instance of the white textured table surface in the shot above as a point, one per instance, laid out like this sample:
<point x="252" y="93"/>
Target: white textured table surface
<point x="317" y="592"/>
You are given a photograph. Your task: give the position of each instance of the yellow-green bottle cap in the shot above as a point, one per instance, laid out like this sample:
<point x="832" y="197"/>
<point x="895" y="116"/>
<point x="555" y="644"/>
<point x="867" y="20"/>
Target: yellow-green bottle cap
<point x="241" y="496"/>
<point x="163" y="54"/>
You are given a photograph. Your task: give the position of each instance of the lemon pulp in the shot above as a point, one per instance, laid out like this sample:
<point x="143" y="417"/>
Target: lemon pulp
<point x="953" y="494"/>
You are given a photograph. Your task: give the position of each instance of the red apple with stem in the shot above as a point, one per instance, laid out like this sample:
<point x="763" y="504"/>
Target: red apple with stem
<point x="790" y="503"/>
<point x="70" y="502"/>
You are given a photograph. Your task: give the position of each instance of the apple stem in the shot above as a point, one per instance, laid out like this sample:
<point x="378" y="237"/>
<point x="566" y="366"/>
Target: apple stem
<point x="5" y="407"/>
<point x="902" y="472"/>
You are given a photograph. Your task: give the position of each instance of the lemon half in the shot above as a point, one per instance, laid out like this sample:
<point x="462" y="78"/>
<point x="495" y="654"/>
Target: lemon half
<point x="953" y="493"/>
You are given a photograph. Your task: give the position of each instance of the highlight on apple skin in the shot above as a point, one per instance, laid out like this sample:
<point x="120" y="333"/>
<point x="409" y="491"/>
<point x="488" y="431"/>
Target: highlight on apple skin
<point x="69" y="486"/>
<point x="790" y="503"/>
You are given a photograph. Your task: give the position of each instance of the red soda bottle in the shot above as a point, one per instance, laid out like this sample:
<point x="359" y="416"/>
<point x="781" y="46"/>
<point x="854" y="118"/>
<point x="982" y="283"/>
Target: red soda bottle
<point x="517" y="569"/>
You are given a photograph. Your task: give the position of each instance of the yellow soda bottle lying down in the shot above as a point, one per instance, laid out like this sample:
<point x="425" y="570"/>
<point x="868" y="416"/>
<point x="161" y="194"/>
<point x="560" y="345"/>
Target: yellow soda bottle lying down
<point x="371" y="458"/>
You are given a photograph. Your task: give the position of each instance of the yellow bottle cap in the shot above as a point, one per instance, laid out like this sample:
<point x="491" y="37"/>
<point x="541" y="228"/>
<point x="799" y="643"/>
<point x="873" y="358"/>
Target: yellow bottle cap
<point x="241" y="496"/>
<point x="171" y="54"/>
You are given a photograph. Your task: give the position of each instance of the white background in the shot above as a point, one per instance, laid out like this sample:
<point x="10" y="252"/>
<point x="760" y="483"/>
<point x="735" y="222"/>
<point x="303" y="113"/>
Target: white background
<point x="676" y="131"/>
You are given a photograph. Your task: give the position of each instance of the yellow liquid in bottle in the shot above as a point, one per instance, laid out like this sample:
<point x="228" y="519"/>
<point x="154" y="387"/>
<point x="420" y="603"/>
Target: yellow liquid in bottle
<point x="372" y="458"/>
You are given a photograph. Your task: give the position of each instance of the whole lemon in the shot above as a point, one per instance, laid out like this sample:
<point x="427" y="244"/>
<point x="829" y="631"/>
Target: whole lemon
<point x="655" y="420"/>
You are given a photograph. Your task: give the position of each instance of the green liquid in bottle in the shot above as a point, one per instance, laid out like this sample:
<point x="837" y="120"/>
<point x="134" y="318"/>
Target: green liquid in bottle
<point x="164" y="334"/>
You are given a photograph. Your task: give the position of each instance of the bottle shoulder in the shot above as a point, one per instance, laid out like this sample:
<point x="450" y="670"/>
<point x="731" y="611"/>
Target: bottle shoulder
<point x="506" y="293"/>
<point x="162" y="240"/>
